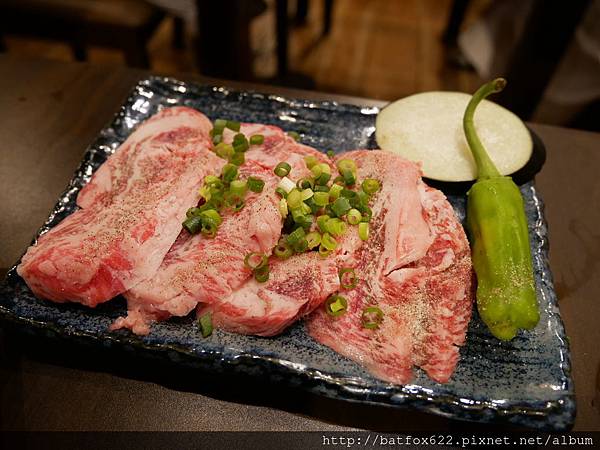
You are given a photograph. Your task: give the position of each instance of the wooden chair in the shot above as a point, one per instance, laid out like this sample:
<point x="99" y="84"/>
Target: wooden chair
<point x="126" y="25"/>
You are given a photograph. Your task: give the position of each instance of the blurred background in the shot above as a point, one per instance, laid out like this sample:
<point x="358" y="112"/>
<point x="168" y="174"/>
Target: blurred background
<point x="383" y="49"/>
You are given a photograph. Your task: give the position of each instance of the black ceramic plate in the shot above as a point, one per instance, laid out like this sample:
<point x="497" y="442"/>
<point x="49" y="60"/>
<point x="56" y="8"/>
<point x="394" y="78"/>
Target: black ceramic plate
<point x="526" y="381"/>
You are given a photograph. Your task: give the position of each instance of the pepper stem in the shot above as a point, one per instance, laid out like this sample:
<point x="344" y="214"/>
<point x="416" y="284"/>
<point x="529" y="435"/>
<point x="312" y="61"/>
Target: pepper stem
<point x="485" y="166"/>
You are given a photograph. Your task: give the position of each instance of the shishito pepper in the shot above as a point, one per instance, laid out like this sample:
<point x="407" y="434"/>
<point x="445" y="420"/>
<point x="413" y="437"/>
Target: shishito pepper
<point x="497" y="226"/>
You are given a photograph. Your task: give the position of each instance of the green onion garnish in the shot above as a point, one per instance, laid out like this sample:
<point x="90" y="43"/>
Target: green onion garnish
<point x="217" y="139"/>
<point x="370" y="185"/>
<point x="349" y="178"/>
<point x="262" y="274"/>
<point x="367" y="213"/>
<point x="314" y="239"/>
<point x="305" y="183"/>
<point x="209" y="227"/>
<point x="341" y="206"/>
<point x="323" y="251"/>
<point x="295" y="236"/>
<point x="283" y="208"/>
<point x="335" y="227"/>
<point x="193" y="212"/>
<point x="224" y="150"/>
<point x="238" y="138"/>
<point x="363" y="230"/>
<point x="282" y="169"/>
<point x="372" y="317"/>
<point x="295" y="136"/>
<point x="311" y="161"/>
<point x="328" y="241"/>
<point x="219" y="126"/>
<point x="294" y="199"/>
<point x="336" y="305"/>
<point x="335" y="191"/>
<point x="321" y="198"/>
<point x="229" y="172"/>
<point x="354" y="216"/>
<point x="238" y="158"/>
<point x="346" y="164"/>
<point x="255" y="260"/>
<point x="233" y="125"/>
<point x="348" y="279"/>
<point x="281" y="192"/>
<point x="193" y="225"/>
<point x="322" y="222"/>
<point x="306" y="194"/>
<point x="205" y="323"/>
<point x="257" y="139"/>
<point x="238" y="187"/>
<point x="213" y="215"/>
<point x="255" y="184"/>
<point x="331" y="154"/>
<point x="283" y="250"/>
<point x="301" y="246"/>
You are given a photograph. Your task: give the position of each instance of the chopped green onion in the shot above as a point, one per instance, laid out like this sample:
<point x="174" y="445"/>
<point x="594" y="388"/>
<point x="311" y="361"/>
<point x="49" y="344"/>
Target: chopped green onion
<point x="339" y="180"/>
<point x="209" y="227"/>
<point x="262" y="274"/>
<point x="354" y="216"/>
<point x="323" y="178"/>
<point x="328" y="241"/>
<point x="324" y="252"/>
<point x="283" y="208"/>
<point x="361" y="199"/>
<point x="372" y="317"/>
<point x="311" y="161"/>
<point x="281" y="192"/>
<point x="336" y="227"/>
<point x="242" y="147"/>
<point x="348" y="279"/>
<point x="205" y="323"/>
<point x="238" y="187"/>
<point x="255" y="184"/>
<point x="238" y="138"/>
<point x="295" y="236"/>
<point x="348" y="176"/>
<point x="305" y="183"/>
<point x="193" y="212"/>
<point x="335" y="191"/>
<point x="295" y="136"/>
<point x="212" y="214"/>
<point x="294" y="199"/>
<point x="237" y="158"/>
<point x="255" y="260"/>
<point x="313" y="238"/>
<point x="302" y="219"/>
<point x="322" y="222"/>
<point x="224" y="150"/>
<point x="220" y="123"/>
<point x="370" y="185"/>
<point x="286" y="184"/>
<point x="320" y="188"/>
<point x="283" y="250"/>
<point x="363" y="230"/>
<point x="336" y="305"/>
<point x="346" y="164"/>
<point x="233" y="125"/>
<point x="367" y="213"/>
<point x="193" y="225"/>
<point x="331" y="154"/>
<point x="348" y="193"/>
<point x="341" y="206"/>
<point x="301" y="246"/>
<point x="257" y="139"/>
<point x="305" y="208"/>
<point x="217" y="139"/>
<point x="229" y="172"/>
<point x="282" y="169"/>
<point x="213" y="181"/>
<point x="238" y="206"/>
<point x="307" y="193"/>
<point x="321" y="198"/>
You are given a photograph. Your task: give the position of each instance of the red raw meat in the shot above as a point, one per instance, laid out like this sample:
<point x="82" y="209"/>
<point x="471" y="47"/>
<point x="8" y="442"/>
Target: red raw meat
<point x="415" y="267"/>
<point x="130" y="213"/>
<point x="198" y="269"/>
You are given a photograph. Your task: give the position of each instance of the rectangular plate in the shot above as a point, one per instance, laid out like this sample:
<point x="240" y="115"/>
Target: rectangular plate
<point x="526" y="381"/>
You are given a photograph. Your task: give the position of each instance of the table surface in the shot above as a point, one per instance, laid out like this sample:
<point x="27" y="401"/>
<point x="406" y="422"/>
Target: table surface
<point x="50" y="112"/>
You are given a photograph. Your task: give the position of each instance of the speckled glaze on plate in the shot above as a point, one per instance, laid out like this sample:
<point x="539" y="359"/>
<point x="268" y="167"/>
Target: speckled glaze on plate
<point x="526" y="381"/>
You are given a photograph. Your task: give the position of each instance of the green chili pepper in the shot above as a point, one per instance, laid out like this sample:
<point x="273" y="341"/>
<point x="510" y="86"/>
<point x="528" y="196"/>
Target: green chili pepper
<point x="506" y="298"/>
